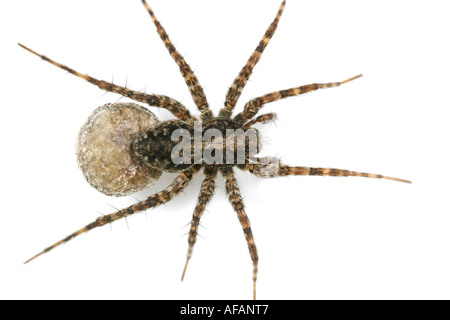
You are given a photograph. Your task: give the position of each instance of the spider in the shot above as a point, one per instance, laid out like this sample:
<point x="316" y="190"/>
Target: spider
<point x="152" y="150"/>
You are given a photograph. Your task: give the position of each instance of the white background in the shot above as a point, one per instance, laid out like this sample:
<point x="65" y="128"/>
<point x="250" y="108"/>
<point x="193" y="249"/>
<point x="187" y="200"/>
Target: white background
<point x="317" y="237"/>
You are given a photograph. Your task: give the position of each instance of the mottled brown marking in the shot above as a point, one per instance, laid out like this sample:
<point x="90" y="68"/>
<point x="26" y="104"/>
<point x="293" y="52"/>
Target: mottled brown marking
<point x="178" y="185"/>
<point x="239" y="83"/>
<point x="175" y="107"/>
<point x="265" y="118"/>
<point x="252" y="107"/>
<point x="206" y="193"/>
<point x="191" y="80"/>
<point x="275" y="169"/>
<point x="234" y="195"/>
<point x="264" y="167"/>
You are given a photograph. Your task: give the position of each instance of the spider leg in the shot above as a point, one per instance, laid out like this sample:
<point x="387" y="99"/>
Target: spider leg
<point x="177" y="186"/>
<point x="206" y="193"/>
<point x="265" y="118"/>
<point x="189" y="77"/>
<point x="172" y="105"/>
<point x="234" y="196"/>
<point x="252" y="107"/>
<point x="239" y="83"/>
<point x="270" y="167"/>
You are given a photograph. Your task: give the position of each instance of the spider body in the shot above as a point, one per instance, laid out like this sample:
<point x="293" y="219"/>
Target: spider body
<point x="208" y="143"/>
<point x="155" y="146"/>
<point x="216" y="145"/>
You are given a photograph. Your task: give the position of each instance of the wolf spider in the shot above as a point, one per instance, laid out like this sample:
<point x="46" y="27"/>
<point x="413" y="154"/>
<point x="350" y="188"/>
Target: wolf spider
<point x="223" y="121"/>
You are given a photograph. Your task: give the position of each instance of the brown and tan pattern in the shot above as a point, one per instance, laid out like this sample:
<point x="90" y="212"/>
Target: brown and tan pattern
<point x="153" y="146"/>
<point x="174" y="189"/>
<point x="273" y="168"/>
<point x="252" y="107"/>
<point x="172" y="105"/>
<point x="234" y="195"/>
<point x="189" y="77"/>
<point x="206" y="193"/>
<point x="239" y="83"/>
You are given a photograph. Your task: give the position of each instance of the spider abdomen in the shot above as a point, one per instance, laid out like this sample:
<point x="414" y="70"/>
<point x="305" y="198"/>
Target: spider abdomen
<point x="103" y="149"/>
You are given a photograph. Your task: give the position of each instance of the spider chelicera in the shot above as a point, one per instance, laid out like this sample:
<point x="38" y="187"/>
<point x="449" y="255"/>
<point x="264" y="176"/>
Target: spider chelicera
<point x="152" y="147"/>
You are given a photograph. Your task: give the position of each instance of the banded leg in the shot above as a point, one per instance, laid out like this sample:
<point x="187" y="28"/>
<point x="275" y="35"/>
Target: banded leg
<point x="252" y="107"/>
<point x="189" y="77"/>
<point x="177" y="186"/>
<point x="172" y="105"/>
<point x="206" y="193"/>
<point x="239" y="83"/>
<point x="265" y="118"/>
<point x="234" y="196"/>
<point x="273" y="168"/>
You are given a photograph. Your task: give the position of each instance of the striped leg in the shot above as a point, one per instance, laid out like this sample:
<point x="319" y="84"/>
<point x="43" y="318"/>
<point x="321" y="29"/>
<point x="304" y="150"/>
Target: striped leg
<point x="239" y="83"/>
<point x="273" y="168"/>
<point x="172" y="105"/>
<point x="189" y="77"/>
<point x="177" y="186"/>
<point x="234" y="195"/>
<point x="265" y="118"/>
<point x="206" y="193"/>
<point x="252" y="107"/>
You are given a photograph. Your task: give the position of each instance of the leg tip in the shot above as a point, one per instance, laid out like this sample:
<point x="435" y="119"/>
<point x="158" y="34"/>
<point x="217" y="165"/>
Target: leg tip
<point x="351" y="79"/>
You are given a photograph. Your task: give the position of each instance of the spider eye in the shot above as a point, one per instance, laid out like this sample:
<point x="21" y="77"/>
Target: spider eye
<point x="104" y="153"/>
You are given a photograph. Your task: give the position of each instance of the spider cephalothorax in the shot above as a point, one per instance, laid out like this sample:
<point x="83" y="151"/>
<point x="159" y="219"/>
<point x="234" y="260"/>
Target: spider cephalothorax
<point x="176" y="146"/>
<point x="154" y="148"/>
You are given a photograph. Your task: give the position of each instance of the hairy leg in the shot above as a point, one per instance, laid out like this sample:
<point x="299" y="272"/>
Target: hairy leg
<point x="177" y="186"/>
<point x="252" y="107"/>
<point x="265" y="118"/>
<point x="172" y="105"/>
<point x="239" y="83"/>
<point x="270" y="167"/>
<point x="234" y="196"/>
<point x="189" y="77"/>
<point x="206" y="193"/>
